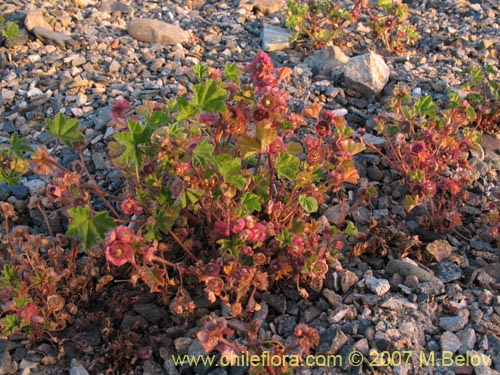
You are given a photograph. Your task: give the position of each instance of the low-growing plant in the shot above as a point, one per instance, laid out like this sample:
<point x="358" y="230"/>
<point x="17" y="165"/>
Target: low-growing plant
<point x="430" y="148"/>
<point x="324" y="21"/>
<point x="9" y="29"/>
<point x="483" y="94"/>
<point x="41" y="284"/>
<point x="280" y="359"/>
<point x="222" y="175"/>
<point x="219" y="192"/>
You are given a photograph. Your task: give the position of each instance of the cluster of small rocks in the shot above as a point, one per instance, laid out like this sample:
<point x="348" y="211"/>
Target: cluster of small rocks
<point x="78" y="56"/>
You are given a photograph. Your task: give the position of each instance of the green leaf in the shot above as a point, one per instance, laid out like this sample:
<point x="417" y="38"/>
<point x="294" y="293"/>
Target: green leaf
<point x="186" y="110"/>
<point x="426" y="107"/>
<point x="409" y="203"/>
<point x="265" y="136"/>
<point x="284" y="238"/>
<point x="247" y="145"/>
<point x="350" y="229"/>
<point x="454" y="100"/>
<point x="230" y="169"/>
<point x="18" y="146"/>
<point x="251" y="202"/>
<point x="309" y="204"/>
<point x="209" y="97"/>
<point x="65" y="130"/>
<point x="232" y="73"/>
<point x="89" y="228"/>
<point x="477" y="75"/>
<point x="416" y="175"/>
<point x="231" y="245"/>
<point x="287" y="166"/>
<point x="190" y="196"/>
<point x="204" y="154"/>
<point x="386" y="4"/>
<point x="470" y="113"/>
<point x="200" y="70"/>
<point x="131" y="140"/>
<point x="261" y="182"/>
<point x="10" y="30"/>
<point x="9" y="275"/>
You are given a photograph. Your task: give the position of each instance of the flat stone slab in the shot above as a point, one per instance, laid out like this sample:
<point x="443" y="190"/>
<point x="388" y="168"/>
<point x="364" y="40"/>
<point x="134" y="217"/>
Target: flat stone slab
<point x="275" y="38"/>
<point x="154" y="31"/>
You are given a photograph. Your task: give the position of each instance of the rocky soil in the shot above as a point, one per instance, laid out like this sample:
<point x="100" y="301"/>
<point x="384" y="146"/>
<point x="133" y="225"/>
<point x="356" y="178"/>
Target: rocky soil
<point x="78" y="56"/>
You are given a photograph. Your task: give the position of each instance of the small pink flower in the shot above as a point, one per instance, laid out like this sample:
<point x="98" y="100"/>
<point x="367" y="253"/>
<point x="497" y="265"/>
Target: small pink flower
<point x="238" y="225"/>
<point x="259" y="232"/>
<point x="130" y="207"/>
<point x="276" y="146"/>
<point x="417" y="147"/>
<point x="122" y="233"/>
<point x="119" y="110"/>
<point x="53" y="193"/>
<point x="209" y="118"/>
<point x="297" y="247"/>
<point x="311" y="142"/>
<point x="323" y="128"/>
<point x="222" y="228"/>
<point x="119" y="252"/>
<point x="148" y="255"/>
<point x="182" y="168"/>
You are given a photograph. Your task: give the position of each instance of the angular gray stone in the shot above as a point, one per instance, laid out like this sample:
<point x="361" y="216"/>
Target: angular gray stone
<point x="334" y="215"/>
<point x="405" y="269"/>
<point x="452" y="323"/>
<point x="468" y="338"/>
<point x="398" y="304"/>
<point x="347" y="280"/>
<point x="331" y="341"/>
<point x="110" y="6"/>
<point x="447" y="271"/>
<point x="50" y="37"/>
<point x="377" y="286"/>
<point x="329" y="61"/>
<point x="77" y="368"/>
<point x="150" y="367"/>
<point x="5" y="363"/>
<point x="7" y="95"/>
<point x="155" y="31"/>
<point x="367" y="74"/>
<point x="450" y="342"/>
<point x="275" y="38"/>
<point x="150" y="311"/>
<point x="35" y="19"/>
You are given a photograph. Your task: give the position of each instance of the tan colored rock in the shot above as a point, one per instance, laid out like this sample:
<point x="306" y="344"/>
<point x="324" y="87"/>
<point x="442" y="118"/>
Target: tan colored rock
<point x="155" y="31"/>
<point x="35" y="19"/>
<point x="264" y="6"/>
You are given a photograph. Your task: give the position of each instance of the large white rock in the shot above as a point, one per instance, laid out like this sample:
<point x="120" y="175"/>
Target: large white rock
<point x="367" y="74"/>
<point x="155" y="31"/>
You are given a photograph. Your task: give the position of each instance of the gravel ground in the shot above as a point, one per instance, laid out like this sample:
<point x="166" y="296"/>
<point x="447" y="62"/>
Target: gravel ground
<point x="368" y="303"/>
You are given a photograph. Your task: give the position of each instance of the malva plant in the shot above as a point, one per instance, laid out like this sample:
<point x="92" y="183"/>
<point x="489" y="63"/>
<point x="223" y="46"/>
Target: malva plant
<point x="218" y="192"/>
<point x="324" y="21"/>
<point x="430" y="148"/>
<point x="221" y="177"/>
